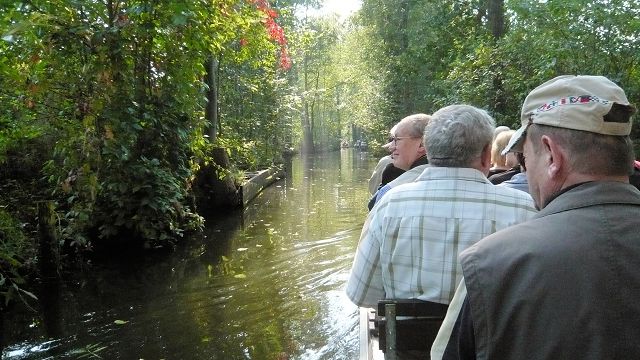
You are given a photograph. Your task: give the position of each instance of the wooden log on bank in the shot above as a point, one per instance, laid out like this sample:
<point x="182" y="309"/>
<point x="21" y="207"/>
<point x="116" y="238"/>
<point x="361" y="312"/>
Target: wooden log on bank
<point x="215" y="195"/>
<point x="254" y="185"/>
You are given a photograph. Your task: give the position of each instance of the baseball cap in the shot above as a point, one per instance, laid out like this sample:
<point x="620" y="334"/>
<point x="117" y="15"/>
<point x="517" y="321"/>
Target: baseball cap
<point x="573" y="102"/>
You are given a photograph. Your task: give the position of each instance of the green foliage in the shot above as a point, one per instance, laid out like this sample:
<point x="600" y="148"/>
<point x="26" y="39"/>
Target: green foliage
<point x="114" y="92"/>
<point x="143" y="200"/>
<point x="105" y="100"/>
<point x="422" y="55"/>
<point x="14" y="250"/>
<point x="116" y="105"/>
<point x="357" y="78"/>
<point x="546" y="40"/>
<point x="257" y="124"/>
<point x="16" y="126"/>
<point x="102" y="109"/>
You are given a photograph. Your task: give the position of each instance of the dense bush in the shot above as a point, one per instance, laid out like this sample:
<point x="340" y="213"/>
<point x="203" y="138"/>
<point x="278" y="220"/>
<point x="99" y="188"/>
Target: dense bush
<point x="15" y="251"/>
<point x="102" y="110"/>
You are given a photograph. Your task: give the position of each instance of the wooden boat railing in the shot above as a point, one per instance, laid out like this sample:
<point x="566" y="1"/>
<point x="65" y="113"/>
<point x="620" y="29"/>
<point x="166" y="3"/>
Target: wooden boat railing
<point x="400" y="325"/>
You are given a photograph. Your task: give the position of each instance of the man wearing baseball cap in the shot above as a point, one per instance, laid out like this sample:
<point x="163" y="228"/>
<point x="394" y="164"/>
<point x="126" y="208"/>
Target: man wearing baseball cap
<point x="566" y="284"/>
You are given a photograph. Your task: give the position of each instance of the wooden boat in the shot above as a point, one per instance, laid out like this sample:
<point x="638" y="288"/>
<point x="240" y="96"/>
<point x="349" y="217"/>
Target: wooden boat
<point x="397" y="326"/>
<point x="369" y="346"/>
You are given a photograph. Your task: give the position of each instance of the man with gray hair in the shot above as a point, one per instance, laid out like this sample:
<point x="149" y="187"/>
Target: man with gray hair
<point x="407" y="150"/>
<point x="564" y="285"/>
<point x="410" y="242"/>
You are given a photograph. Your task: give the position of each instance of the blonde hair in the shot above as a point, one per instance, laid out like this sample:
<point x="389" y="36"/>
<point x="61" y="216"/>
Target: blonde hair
<point x="500" y="142"/>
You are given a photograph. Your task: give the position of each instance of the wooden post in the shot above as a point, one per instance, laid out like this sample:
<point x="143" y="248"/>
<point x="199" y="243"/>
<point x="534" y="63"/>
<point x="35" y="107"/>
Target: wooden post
<point x="49" y="265"/>
<point x="2" y="345"/>
<point x="49" y="254"/>
<point x="390" y="315"/>
<point x="287" y="158"/>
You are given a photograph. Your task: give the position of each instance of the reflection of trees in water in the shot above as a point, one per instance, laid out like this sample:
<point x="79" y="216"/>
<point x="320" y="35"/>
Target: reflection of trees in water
<point x="50" y="297"/>
<point x="190" y="304"/>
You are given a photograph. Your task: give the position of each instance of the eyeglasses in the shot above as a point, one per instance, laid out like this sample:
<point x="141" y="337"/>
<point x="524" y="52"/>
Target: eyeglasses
<point x="395" y="139"/>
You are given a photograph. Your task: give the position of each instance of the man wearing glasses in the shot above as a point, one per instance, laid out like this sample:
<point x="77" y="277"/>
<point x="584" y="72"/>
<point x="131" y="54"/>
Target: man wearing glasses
<point x="411" y="239"/>
<point x="406" y="147"/>
<point x="564" y="285"/>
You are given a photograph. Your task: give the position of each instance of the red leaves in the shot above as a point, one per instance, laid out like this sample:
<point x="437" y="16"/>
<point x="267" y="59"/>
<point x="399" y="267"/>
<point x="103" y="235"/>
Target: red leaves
<point x="275" y="31"/>
<point x="285" y="60"/>
<point x="260" y="4"/>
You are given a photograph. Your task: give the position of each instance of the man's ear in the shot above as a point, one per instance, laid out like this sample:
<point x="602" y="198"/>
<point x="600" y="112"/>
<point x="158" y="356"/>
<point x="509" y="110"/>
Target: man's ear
<point x="485" y="156"/>
<point x="554" y="156"/>
<point x="422" y="150"/>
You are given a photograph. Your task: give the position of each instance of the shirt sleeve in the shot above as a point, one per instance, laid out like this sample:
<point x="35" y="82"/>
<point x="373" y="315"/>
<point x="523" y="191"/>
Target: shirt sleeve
<point x="365" y="287"/>
<point x="455" y="339"/>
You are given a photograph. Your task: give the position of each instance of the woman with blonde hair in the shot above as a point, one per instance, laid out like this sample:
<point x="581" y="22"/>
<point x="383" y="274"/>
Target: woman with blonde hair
<point x="499" y="162"/>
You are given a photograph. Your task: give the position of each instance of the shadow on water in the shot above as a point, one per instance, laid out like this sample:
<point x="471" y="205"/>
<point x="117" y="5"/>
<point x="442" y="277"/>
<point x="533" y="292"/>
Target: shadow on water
<point x="263" y="283"/>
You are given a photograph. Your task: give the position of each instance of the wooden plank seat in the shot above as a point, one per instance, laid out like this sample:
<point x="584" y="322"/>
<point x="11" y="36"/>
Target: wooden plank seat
<point x="407" y="324"/>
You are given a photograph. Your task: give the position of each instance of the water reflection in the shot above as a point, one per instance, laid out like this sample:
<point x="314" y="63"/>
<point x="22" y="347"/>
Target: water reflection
<point x="265" y="283"/>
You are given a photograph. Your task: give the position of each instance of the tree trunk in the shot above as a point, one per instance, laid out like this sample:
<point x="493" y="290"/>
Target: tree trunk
<point x="338" y="120"/>
<point x="214" y="188"/>
<point x="497" y="27"/>
<point x="307" y="135"/>
<point x="211" y="110"/>
<point x="496" y="18"/>
<point x="48" y="266"/>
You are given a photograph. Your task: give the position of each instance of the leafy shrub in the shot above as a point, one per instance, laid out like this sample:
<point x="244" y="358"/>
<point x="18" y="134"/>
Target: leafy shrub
<point x="13" y="252"/>
<point x="144" y="200"/>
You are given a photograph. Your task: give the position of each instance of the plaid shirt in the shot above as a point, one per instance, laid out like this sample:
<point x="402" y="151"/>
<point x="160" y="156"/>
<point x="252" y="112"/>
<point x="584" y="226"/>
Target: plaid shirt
<point x="410" y="242"/>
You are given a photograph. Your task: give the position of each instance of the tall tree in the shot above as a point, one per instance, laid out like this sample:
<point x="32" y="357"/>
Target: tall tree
<point x="496" y="22"/>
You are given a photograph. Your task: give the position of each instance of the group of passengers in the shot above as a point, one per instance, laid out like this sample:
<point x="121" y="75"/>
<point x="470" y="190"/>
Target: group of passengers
<point x="528" y="235"/>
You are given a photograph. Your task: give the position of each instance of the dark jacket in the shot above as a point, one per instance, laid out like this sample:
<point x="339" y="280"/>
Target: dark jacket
<point x="390" y="173"/>
<point x="565" y="285"/>
<point x="503" y="176"/>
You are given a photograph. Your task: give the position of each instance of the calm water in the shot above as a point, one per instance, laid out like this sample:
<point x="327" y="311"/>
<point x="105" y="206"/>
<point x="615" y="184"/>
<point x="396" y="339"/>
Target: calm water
<point x="264" y="284"/>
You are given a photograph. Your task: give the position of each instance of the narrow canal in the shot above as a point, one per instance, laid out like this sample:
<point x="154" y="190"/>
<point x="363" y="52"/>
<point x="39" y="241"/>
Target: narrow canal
<point x="266" y="283"/>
